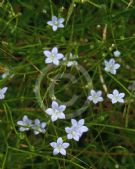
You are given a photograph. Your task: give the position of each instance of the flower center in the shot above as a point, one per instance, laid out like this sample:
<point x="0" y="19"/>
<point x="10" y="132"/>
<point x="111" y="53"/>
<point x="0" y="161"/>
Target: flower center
<point x="56" y="112"/>
<point x="59" y="147"/>
<point x="117" y="97"/>
<point x="95" y="97"/>
<point x="73" y="133"/>
<point x="52" y="56"/>
<point x="56" y="23"/>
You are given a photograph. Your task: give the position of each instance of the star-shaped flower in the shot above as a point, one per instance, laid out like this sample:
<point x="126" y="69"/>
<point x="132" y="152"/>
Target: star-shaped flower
<point x="25" y="124"/>
<point x="39" y="127"/>
<point x="56" y="23"/>
<point x="116" y="96"/>
<point x="53" y="56"/>
<point x="76" y="130"/>
<point x="2" y="92"/>
<point x="59" y="146"/>
<point x="116" y="53"/>
<point x="111" y="66"/>
<point x="95" y="97"/>
<point x="56" y="112"/>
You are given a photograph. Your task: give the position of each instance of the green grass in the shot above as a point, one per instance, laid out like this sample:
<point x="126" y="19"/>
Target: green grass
<point x="91" y="27"/>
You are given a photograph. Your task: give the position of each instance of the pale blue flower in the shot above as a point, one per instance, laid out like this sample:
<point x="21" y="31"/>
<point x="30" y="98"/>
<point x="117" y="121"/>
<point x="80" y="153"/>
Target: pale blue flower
<point x="38" y="127"/>
<point x="2" y="92"/>
<point x="116" y="96"/>
<point x="116" y="53"/>
<point x="7" y="74"/>
<point x="95" y="96"/>
<point x="56" y="112"/>
<point x="111" y="66"/>
<point x="53" y="56"/>
<point x="59" y="146"/>
<point x="25" y="124"/>
<point x="56" y="23"/>
<point x="76" y="130"/>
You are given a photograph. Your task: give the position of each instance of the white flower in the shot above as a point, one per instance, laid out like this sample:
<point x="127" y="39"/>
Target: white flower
<point x="53" y="56"/>
<point x="39" y="127"/>
<point x="111" y="66"/>
<point x="25" y="124"/>
<point x="56" y="23"/>
<point x="2" y="92"/>
<point x="116" y="96"/>
<point x="95" y="96"/>
<point x="59" y="146"/>
<point x="76" y="130"/>
<point x="56" y="112"/>
<point x="70" y="61"/>
<point x="116" y="53"/>
<point x="4" y="75"/>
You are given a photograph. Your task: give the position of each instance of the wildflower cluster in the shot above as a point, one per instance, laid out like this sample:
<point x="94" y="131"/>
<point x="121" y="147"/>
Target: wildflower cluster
<point x="56" y="111"/>
<point x="26" y="124"/>
<point x="115" y="97"/>
<point x="111" y="66"/>
<point x="74" y="132"/>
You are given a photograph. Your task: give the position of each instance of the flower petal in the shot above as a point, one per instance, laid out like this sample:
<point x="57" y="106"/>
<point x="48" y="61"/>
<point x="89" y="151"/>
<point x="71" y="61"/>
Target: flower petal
<point x="59" y="56"/>
<point x="84" y="129"/>
<point x="99" y="93"/>
<point x="37" y="122"/>
<point x="110" y="96"/>
<point x="55" y="105"/>
<point x="74" y="122"/>
<point x="61" y="115"/>
<point x="69" y="136"/>
<point x="3" y="91"/>
<point x="21" y="123"/>
<point x="47" y="53"/>
<point x="65" y="145"/>
<point x="122" y="95"/>
<point x="54" y="27"/>
<point x="48" y="60"/>
<point x="53" y="144"/>
<point x="55" y="50"/>
<point x="50" y="23"/>
<point x="43" y="125"/>
<point x="59" y="141"/>
<point x="63" y="151"/>
<point x="116" y="66"/>
<point x="121" y="100"/>
<point x="54" y="18"/>
<point x="54" y="118"/>
<point x="56" y="61"/>
<point x="92" y="92"/>
<point x="60" y="20"/>
<point x="49" y="111"/>
<point x="61" y="25"/>
<point x="55" y="151"/>
<point x="81" y="122"/>
<point x="115" y="92"/>
<point x="62" y="108"/>
<point x="76" y="137"/>
<point x="68" y="129"/>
